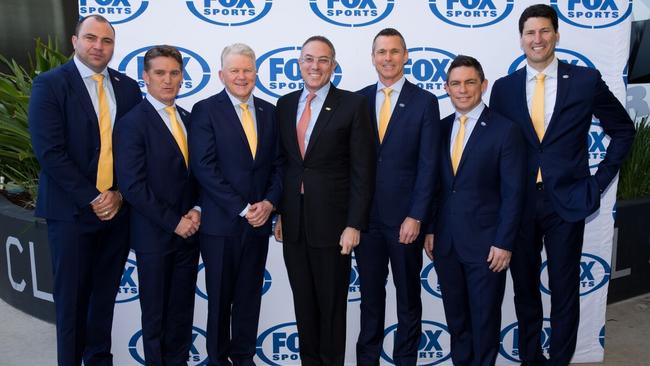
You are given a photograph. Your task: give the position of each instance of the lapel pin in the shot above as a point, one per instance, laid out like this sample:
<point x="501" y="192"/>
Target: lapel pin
<point x="483" y="124"/>
<point x="565" y="76"/>
<point x="328" y="108"/>
<point x="116" y="78"/>
<point x="402" y="105"/>
<point x="260" y="108"/>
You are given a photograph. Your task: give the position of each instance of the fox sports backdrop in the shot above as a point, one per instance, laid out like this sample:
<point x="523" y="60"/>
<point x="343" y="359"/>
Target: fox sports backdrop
<point x="594" y="33"/>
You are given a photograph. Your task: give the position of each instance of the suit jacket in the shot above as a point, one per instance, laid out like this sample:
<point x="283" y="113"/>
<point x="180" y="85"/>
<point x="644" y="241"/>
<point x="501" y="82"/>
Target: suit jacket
<point x="228" y="176"/>
<point x="65" y="138"/>
<point x="337" y="171"/>
<point x="481" y="205"/>
<point x="407" y="159"/>
<point x="154" y="179"/>
<point x="581" y="93"/>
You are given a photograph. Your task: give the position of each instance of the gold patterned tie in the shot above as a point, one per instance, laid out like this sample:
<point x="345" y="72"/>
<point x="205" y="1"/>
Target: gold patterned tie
<point x="384" y="113"/>
<point x="177" y="132"/>
<point x="249" y="128"/>
<point x="537" y="112"/>
<point x="457" y="150"/>
<point x="105" y="163"/>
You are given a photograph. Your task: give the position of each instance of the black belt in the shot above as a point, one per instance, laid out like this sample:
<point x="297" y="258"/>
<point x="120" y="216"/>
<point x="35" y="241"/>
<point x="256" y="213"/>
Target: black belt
<point x="539" y="186"/>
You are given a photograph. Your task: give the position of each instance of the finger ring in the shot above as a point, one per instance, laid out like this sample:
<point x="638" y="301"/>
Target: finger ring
<point x="105" y="213"/>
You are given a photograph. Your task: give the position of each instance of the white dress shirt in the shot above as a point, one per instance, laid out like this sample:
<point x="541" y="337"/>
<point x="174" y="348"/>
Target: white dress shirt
<point x="472" y="119"/>
<point x="394" y="95"/>
<point x="91" y="86"/>
<point x="316" y="106"/>
<point x="550" y="89"/>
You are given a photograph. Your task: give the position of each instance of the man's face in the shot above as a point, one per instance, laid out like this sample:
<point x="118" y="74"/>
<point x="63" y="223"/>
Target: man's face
<point x="389" y="57"/>
<point x="238" y="75"/>
<point x="538" y="40"/>
<point x="163" y="79"/>
<point x="316" y="65"/>
<point x="465" y="88"/>
<point x="94" y="44"/>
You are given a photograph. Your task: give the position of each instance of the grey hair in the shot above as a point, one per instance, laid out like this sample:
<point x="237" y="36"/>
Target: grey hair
<point x="237" y="49"/>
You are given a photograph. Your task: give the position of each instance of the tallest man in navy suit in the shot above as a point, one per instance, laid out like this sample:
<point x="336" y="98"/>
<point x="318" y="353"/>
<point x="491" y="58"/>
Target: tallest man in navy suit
<point x="553" y="102"/>
<point x="71" y="112"/>
<point x="405" y="133"/>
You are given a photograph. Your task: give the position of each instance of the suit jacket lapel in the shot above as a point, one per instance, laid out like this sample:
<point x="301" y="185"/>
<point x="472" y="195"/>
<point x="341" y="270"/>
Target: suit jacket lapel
<point x="290" y="125"/>
<point x="529" y="130"/>
<point x="446" y="133"/>
<point x="399" y="109"/>
<point x="79" y="88"/>
<point x="231" y="115"/>
<point x="116" y="82"/>
<point x="161" y="128"/>
<point x="563" y="77"/>
<point x="260" y="117"/>
<point x="474" y="138"/>
<point x="326" y="112"/>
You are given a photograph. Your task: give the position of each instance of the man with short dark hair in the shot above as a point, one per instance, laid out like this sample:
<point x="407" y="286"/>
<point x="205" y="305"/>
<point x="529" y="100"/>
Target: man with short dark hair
<point x="326" y="139"/>
<point x="553" y="103"/>
<point x="406" y="135"/>
<point x="482" y="168"/>
<point x="151" y="160"/>
<point x="71" y="114"/>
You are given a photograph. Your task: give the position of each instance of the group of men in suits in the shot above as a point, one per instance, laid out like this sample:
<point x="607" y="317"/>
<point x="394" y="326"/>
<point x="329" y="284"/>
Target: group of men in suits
<point x="375" y="173"/>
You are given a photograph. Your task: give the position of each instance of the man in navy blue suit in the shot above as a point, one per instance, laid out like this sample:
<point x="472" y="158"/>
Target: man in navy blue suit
<point x="71" y="113"/>
<point x="234" y="154"/>
<point x="553" y="103"/>
<point x="477" y="214"/>
<point x="406" y="136"/>
<point x="151" y="160"/>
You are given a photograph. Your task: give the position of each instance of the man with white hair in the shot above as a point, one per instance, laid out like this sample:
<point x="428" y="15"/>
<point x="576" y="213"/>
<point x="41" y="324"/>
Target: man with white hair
<point x="234" y="155"/>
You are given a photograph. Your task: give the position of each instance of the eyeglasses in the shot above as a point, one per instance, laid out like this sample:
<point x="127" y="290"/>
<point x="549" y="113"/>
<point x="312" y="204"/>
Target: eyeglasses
<point x="323" y="61"/>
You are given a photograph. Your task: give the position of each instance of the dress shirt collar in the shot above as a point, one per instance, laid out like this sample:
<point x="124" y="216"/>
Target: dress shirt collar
<point x="86" y="71"/>
<point x="157" y="105"/>
<point x="550" y="71"/>
<point x="320" y="93"/>
<point x="397" y="87"/>
<point x="474" y="114"/>
<point x="236" y="102"/>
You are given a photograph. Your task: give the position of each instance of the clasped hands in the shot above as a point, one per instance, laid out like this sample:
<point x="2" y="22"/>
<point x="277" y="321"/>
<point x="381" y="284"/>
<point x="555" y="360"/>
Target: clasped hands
<point x="189" y="224"/>
<point x="107" y="205"/>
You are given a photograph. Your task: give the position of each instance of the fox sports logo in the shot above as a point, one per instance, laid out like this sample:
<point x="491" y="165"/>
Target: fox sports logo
<point x="594" y="274"/>
<point x="597" y="141"/>
<point x="278" y="72"/>
<point x="354" y="287"/>
<point x="427" y="68"/>
<point x="196" y="357"/>
<point x="433" y="348"/>
<point x="196" y="71"/>
<point x="429" y="281"/>
<point x="352" y="13"/>
<point x="202" y="292"/>
<point x="471" y="13"/>
<point x="229" y="13"/>
<point x="128" y="290"/>
<point x="568" y="56"/>
<point x="278" y="345"/>
<point x="509" y="347"/>
<point x="116" y="11"/>
<point x="592" y="14"/>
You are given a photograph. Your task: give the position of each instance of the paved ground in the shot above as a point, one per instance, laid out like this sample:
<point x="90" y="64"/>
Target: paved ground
<point x="28" y="341"/>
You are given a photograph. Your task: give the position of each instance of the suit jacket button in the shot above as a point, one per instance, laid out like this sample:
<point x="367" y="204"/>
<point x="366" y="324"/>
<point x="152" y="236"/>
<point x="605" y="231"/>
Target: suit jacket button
<point x="453" y="191"/>
<point x="379" y="160"/>
<point x="541" y="150"/>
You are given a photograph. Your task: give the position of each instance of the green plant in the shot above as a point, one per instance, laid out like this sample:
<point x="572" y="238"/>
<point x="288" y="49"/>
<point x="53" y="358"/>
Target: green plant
<point x="17" y="161"/>
<point x="634" y="179"/>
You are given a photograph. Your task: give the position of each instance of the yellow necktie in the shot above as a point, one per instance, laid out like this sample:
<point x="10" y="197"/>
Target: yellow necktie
<point x="249" y="128"/>
<point x="537" y="112"/>
<point x="105" y="163"/>
<point x="384" y="113"/>
<point x="177" y="132"/>
<point x="457" y="150"/>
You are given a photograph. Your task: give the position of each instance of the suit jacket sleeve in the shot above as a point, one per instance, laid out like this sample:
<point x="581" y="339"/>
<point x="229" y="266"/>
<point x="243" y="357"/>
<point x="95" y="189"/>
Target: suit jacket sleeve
<point x="362" y="167"/>
<point x="47" y="127"/>
<point x="205" y="164"/>
<point x="512" y="172"/>
<point x="618" y="126"/>
<point x="422" y="196"/>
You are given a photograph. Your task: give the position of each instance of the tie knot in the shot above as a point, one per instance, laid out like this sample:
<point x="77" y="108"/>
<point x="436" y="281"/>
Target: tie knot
<point x="98" y="77"/>
<point x="171" y="110"/>
<point x="540" y="77"/>
<point x="463" y="119"/>
<point x="244" y="106"/>
<point x="387" y="91"/>
<point x="310" y="97"/>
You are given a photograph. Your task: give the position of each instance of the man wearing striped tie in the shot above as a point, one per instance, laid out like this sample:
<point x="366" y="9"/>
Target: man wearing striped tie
<point x="554" y="103"/>
<point x="71" y="113"/>
<point x="234" y="154"/>
<point x="482" y="163"/>
<point x="151" y="160"/>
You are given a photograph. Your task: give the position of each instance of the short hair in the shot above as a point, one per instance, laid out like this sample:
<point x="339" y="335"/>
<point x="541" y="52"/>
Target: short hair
<point x="162" y="51"/>
<point x="538" y="11"/>
<point x="324" y="40"/>
<point x="389" y="32"/>
<point x="237" y="49"/>
<point x="468" y="61"/>
<point x="97" y="17"/>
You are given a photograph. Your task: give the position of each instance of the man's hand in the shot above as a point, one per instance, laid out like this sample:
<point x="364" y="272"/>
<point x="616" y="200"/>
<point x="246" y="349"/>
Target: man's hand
<point x="186" y="227"/>
<point x="277" y="231"/>
<point x="107" y="205"/>
<point x="499" y="259"/>
<point x="409" y="230"/>
<point x="195" y="216"/>
<point x="259" y="213"/>
<point x="428" y="245"/>
<point x="349" y="239"/>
